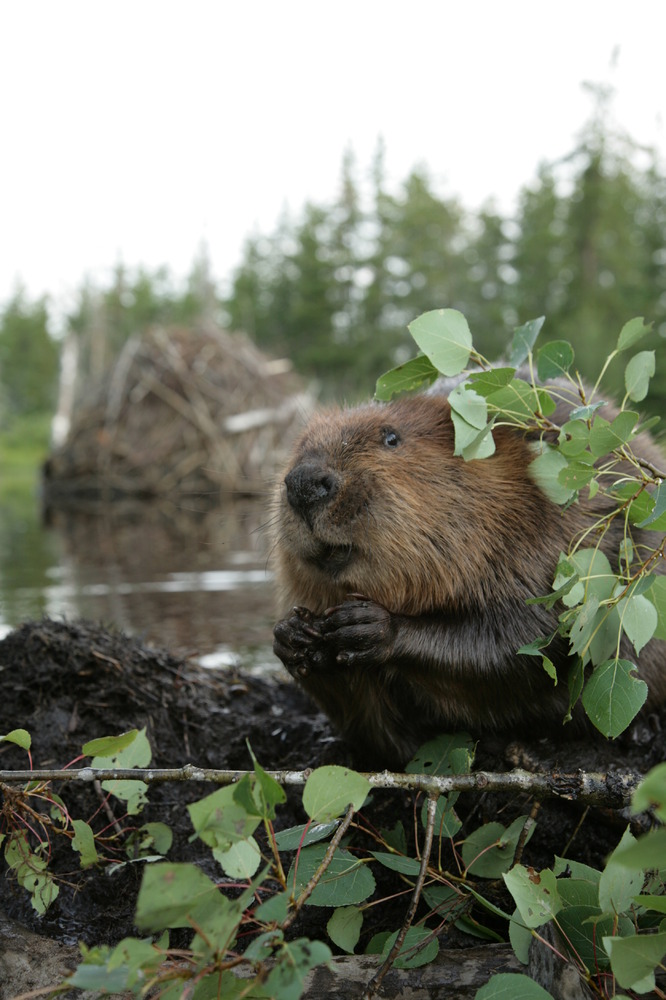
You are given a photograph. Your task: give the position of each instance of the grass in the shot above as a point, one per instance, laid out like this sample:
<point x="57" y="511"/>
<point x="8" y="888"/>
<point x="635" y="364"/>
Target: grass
<point x="23" y="448"/>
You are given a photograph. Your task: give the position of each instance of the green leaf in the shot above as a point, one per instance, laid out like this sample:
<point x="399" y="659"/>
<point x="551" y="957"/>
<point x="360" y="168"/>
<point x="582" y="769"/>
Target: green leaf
<point x="488" y="851"/>
<point x="447" y="754"/>
<point x="577" y="870"/>
<point x="469" y="412"/>
<point x="128" y="750"/>
<point x="639" y="619"/>
<point x="344" y="927"/>
<point x="109" y="746"/>
<point x="613" y="696"/>
<point x="594" y="573"/>
<point x="554" y="359"/>
<point x="410" y="956"/>
<point x="465" y="434"/>
<point x="535" y="894"/>
<point x="517" y="402"/>
<point x="534" y="648"/>
<point x="262" y="947"/>
<point x="651" y="793"/>
<point x="605" y="437"/>
<point x="618" y="884"/>
<point x="575" y="681"/>
<point x="286" y="981"/>
<point x="523" y="341"/>
<point x="657" y="594"/>
<point x="637" y="375"/>
<point x="21" y="737"/>
<point x="296" y="836"/>
<point x="220" y="820"/>
<point x="395" y="837"/>
<point x="482" y="445"/>
<point x="520" y="937"/>
<point x="444" y="336"/>
<point x="574" y="438"/>
<point x="180" y="895"/>
<point x="512" y="986"/>
<point x="84" y="842"/>
<point x="650" y="902"/>
<point x="330" y="790"/>
<point x="584" y="926"/>
<point x="133" y="956"/>
<point x="470" y="405"/>
<point x="398" y="863"/>
<point x="31" y="872"/>
<point x="375" y="945"/>
<point x="648" y="852"/>
<point x="274" y="910"/>
<point x="545" y="470"/>
<point x="151" y="838"/>
<point x="412" y="375"/>
<point x="486" y="383"/>
<point x="98" y="977"/>
<point x="633" y="959"/>
<point x="641" y="504"/>
<point x="579" y="892"/>
<point x="659" y="508"/>
<point x="632" y="332"/>
<point x="447" y="823"/>
<point x="584" y="624"/>
<point x="269" y="792"/>
<point x="576" y="475"/>
<point x="241" y="860"/>
<point x="346" y="880"/>
<point x="446" y="901"/>
<point x="586" y="411"/>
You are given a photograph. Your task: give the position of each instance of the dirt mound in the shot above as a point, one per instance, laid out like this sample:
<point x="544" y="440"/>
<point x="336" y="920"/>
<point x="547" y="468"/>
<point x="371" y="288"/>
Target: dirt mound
<point x="67" y="683"/>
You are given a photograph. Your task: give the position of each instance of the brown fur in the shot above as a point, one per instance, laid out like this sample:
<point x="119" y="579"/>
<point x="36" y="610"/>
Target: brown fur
<point x="445" y="554"/>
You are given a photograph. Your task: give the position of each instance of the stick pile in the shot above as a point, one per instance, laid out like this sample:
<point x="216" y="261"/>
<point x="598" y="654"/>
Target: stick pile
<point x="181" y="412"/>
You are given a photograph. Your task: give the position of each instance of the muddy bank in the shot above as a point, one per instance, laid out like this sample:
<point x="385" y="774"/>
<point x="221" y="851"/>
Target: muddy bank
<point x="67" y="683"/>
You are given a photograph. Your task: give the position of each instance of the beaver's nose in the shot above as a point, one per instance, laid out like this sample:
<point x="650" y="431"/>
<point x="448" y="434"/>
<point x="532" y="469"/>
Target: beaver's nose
<point x="309" y="485"/>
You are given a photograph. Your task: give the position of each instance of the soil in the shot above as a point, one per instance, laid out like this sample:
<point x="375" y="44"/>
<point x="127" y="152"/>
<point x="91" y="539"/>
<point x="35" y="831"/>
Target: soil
<point x="70" y="682"/>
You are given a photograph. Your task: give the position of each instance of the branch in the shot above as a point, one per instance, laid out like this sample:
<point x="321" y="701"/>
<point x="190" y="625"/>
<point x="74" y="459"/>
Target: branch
<point x="613" y="789"/>
<point x="376" y="980"/>
<point x="326" y="860"/>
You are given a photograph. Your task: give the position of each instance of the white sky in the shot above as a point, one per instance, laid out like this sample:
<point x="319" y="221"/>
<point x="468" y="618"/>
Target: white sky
<point x="134" y="129"/>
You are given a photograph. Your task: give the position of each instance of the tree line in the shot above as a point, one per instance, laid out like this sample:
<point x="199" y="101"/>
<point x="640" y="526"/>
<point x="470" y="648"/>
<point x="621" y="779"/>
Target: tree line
<point x="335" y="284"/>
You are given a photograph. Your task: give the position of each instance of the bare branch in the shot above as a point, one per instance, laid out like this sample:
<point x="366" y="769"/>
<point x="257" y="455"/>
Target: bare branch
<point x="613" y="789"/>
<point x="376" y="980"/>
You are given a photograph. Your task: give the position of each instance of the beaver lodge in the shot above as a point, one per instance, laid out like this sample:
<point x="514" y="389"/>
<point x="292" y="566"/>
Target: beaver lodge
<point x="193" y="412"/>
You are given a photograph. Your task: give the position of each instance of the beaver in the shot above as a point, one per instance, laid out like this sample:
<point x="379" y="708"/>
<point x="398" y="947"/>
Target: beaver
<point x="408" y="570"/>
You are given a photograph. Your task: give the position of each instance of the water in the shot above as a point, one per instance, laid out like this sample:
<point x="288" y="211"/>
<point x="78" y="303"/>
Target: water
<point x="194" y="581"/>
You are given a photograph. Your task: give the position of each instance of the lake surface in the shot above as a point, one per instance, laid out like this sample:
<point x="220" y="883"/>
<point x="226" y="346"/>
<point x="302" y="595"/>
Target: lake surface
<point x="193" y="580"/>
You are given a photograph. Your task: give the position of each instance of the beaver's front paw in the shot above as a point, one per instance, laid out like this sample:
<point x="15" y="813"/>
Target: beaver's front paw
<point x="298" y="642"/>
<point x="358" y="632"/>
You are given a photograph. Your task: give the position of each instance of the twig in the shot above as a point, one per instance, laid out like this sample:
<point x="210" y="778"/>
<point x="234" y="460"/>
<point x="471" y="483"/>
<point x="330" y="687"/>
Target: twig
<point x="613" y="789"/>
<point x="104" y="803"/>
<point x="527" y="826"/>
<point x="376" y="980"/>
<point x="326" y="860"/>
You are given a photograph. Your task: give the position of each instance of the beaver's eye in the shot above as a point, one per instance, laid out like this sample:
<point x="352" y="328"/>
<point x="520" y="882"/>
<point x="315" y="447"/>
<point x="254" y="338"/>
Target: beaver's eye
<point x="390" y="438"/>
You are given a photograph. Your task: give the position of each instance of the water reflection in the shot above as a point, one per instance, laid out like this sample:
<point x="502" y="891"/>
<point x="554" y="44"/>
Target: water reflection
<point x="195" y="581"/>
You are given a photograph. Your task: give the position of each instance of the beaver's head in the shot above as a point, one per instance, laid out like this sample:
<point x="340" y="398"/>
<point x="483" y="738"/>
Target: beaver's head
<point x="374" y="501"/>
<point x="356" y="473"/>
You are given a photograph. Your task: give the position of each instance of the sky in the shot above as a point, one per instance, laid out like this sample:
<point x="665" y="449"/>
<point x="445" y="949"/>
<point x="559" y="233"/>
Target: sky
<point x="138" y="130"/>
